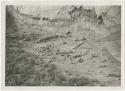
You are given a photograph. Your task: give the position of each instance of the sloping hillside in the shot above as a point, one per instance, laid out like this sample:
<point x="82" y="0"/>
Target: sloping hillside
<point x="75" y="47"/>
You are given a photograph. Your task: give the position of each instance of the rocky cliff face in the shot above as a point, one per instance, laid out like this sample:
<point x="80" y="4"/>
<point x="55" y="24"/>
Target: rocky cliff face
<point x="78" y="42"/>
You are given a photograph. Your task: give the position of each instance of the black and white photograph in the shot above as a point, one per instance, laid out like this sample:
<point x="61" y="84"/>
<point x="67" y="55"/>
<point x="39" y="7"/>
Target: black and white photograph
<point x="63" y="45"/>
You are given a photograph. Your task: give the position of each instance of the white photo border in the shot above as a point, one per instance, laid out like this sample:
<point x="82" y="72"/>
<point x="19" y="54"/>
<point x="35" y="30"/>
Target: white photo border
<point x="61" y="2"/>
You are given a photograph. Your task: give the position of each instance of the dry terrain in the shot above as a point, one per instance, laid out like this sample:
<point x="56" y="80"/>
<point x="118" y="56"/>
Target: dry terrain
<point x="75" y="47"/>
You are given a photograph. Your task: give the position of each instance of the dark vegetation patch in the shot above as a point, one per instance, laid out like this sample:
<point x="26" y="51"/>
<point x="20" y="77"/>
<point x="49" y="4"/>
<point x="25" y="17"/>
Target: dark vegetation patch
<point x="114" y="75"/>
<point x="103" y="66"/>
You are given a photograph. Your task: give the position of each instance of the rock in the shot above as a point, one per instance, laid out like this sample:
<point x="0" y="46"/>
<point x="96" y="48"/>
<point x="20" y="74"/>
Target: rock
<point x="112" y="16"/>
